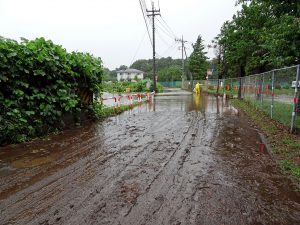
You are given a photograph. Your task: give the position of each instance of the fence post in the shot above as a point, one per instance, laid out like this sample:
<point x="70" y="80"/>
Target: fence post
<point x="262" y="91"/>
<point x="295" y="101"/>
<point x="223" y="87"/>
<point x="239" y="88"/>
<point x="243" y="87"/>
<point x="272" y="103"/>
<point x="231" y="87"/>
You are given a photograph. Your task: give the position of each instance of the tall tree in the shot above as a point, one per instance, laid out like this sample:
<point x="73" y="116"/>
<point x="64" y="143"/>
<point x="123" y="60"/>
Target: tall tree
<point x="146" y="65"/>
<point x="263" y="35"/>
<point x="198" y="61"/>
<point x="172" y="73"/>
<point x="122" y="67"/>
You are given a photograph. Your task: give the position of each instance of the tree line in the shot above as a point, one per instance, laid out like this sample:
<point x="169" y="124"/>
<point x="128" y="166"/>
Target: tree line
<point x="263" y="35"/>
<point x="168" y="69"/>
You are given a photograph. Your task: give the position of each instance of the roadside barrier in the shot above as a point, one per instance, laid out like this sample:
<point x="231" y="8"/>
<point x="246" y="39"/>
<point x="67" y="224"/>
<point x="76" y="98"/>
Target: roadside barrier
<point x="129" y="99"/>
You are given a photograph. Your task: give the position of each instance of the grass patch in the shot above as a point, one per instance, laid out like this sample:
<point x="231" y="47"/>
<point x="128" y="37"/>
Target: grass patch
<point x="284" y="91"/>
<point x="282" y="112"/>
<point x="291" y="143"/>
<point x="286" y="146"/>
<point x="100" y="112"/>
<point x="290" y="168"/>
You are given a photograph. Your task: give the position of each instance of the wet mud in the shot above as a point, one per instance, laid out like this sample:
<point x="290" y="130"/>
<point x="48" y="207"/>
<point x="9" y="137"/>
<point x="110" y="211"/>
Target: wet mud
<point x="176" y="160"/>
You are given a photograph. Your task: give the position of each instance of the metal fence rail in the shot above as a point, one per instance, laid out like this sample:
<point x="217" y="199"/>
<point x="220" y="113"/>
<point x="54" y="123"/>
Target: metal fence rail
<point x="276" y="92"/>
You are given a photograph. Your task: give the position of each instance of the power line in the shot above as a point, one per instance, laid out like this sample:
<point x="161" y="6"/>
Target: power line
<point x="168" y="27"/>
<point x="139" y="46"/>
<point x="170" y="50"/>
<point x="166" y="32"/>
<point x="143" y="11"/>
<point x="162" y="39"/>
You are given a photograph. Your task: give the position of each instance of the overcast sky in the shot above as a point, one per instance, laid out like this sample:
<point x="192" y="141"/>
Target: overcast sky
<point x="114" y="29"/>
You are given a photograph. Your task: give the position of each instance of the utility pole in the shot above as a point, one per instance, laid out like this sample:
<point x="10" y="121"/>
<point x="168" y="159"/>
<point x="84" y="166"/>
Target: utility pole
<point x="189" y="72"/>
<point x="182" y="58"/>
<point x="152" y="13"/>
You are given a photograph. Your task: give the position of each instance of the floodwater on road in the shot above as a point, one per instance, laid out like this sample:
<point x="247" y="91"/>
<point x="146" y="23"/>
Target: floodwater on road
<point x="175" y="160"/>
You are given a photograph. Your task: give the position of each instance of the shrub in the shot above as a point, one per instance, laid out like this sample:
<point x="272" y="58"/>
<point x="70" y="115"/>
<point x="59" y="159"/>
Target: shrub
<point x="38" y="84"/>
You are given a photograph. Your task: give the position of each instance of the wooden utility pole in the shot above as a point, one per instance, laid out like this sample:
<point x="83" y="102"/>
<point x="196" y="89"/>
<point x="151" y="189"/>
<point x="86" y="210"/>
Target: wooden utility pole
<point x="152" y="13"/>
<point x="182" y="58"/>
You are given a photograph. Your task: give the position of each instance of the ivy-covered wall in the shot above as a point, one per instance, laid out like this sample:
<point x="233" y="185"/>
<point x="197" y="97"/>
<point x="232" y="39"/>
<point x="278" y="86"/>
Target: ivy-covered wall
<point x="39" y="83"/>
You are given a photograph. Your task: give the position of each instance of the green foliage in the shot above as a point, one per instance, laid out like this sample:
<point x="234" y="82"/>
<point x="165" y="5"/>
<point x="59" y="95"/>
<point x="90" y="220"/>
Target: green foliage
<point x="263" y="35"/>
<point x="120" y="87"/>
<point x="290" y="168"/>
<point x="172" y="73"/>
<point x="100" y="112"/>
<point x="38" y="85"/>
<point x="109" y="75"/>
<point x="198" y="61"/>
<point x="88" y="69"/>
<point x="115" y="87"/>
<point x="159" y="87"/>
<point x="146" y="65"/>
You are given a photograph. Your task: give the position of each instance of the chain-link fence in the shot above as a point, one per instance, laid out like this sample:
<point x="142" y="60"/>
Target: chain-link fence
<point x="277" y="93"/>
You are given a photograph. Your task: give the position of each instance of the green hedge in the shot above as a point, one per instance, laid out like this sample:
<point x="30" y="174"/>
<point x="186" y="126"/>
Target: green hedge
<point x="39" y="81"/>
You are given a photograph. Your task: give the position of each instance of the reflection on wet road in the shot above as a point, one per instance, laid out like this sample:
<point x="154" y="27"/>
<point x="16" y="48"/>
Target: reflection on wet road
<point x="176" y="160"/>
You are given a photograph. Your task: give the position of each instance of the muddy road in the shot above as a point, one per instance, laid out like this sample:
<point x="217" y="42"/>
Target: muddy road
<point x="178" y="160"/>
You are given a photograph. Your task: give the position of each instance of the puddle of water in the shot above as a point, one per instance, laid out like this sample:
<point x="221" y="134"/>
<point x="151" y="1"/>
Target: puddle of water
<point x="5" y="169"/>
<point x="28" y="162"/>
<point x="187" y="103"/>
<point x="43" y="151"/>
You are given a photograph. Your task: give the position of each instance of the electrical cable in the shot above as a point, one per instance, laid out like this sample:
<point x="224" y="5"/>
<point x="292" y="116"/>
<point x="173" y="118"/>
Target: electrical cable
<point x="171" y="51"/>
<point x="139" y="46"/>
<point x="171" y="31"/>
<point x="168" y="49"/>
<point x="162" y="39"/>
<point x="146" y="22"/>
<point x="168" y="34"/>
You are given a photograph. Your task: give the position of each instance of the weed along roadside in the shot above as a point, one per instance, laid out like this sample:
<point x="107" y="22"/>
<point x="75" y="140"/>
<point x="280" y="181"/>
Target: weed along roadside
<point x="285" y="147"/>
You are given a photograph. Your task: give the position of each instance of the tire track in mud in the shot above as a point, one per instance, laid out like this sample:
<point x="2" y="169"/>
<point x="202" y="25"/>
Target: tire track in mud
<point x="76" y="170"/>
<point x="116" y="185"/>
<point x="165" y="197"/>
<point x="75" y="150"/>
<point x="163" y="186"/>
<point x="163" y="167"/>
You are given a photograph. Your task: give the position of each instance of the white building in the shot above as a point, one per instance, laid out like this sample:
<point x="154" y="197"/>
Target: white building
<point x="130" y="74"/>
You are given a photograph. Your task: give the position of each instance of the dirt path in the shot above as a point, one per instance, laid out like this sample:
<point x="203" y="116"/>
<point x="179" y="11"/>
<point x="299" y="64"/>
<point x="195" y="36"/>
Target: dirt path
<point x="177" y="161"/>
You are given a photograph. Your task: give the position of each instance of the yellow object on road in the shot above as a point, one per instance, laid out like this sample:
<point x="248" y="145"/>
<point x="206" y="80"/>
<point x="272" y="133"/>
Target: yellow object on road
<point x="197" y="88"/>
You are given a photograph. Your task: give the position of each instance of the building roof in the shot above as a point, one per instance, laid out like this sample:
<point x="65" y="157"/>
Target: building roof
<point x="130" y="71"/>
